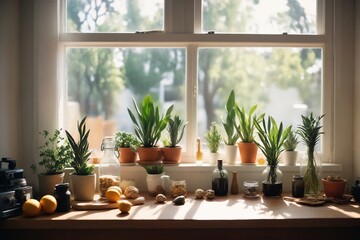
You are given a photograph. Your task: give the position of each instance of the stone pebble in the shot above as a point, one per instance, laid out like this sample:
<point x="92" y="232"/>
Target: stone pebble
<point x="131" y="192"/>
<point x="210" y="194"/>
<point x="160" y="198"/>
<point x="180" y="200"/>
<point x="199" y="194"/>
<point x="138" y="201"/>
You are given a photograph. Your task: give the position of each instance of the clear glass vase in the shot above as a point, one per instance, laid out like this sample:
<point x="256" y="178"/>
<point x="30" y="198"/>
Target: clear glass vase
<point x="311" y="170"/>
<point x="272" y="185"/>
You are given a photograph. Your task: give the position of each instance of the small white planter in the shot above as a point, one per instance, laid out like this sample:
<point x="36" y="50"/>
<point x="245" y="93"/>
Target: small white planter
<point x="83" y="186"/>
<point x="290" y="157"/>
<point x="47" y="183"/>
<point x="213" y="157"/>
<point x="157" y="183"/>
<point x="231" y="154"/>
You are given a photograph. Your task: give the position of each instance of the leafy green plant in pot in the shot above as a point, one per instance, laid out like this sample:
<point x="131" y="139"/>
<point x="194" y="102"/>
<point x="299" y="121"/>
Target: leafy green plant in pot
<point x="172" y="151"/>
<point x="127" y="145"/>
<point x="55" y="155"/>
<point x="149" y="125"/>
<point x="229" y="126"/>
<point x="290" y="154"/>
<point x="272" y="138"/>
<point x="310" y="132"/>
<point x="83" y="180"/>
<point x="213" y="138"/>
<point x="247" y="146"/>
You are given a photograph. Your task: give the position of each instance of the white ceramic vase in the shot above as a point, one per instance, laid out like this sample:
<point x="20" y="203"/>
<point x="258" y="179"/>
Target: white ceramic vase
<point x="213" y="157"/>
<point x="230" y="154"/>
<point x="83" y="186"/>
<point x="290" y="157"/>
<point x="47" y="183"/>
<point x="157" y="183"/>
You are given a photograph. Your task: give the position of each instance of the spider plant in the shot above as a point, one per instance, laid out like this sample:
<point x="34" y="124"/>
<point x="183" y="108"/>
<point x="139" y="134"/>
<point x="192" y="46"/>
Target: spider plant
<point x="310" y="132"/>
<point x="246" y="126"/>
<point x="272" y="138"/>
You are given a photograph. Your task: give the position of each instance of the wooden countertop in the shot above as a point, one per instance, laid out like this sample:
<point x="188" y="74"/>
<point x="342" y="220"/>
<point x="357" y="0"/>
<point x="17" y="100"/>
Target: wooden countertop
<point x="233" y="213"/>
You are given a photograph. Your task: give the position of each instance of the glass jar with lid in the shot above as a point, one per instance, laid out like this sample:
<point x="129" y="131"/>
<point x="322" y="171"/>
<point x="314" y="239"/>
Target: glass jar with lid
<point x="109" y="169"/>
<point x="251" y="189"/>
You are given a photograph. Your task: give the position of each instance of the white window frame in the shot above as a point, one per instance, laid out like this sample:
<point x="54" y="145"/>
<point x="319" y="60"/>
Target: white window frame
<point x="184" y="30"/>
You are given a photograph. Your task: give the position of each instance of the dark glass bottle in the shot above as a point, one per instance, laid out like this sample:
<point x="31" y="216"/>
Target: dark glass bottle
<point x="62" y="196"/>
<point x="298" y="186"/>
<point x="220" y="180"/>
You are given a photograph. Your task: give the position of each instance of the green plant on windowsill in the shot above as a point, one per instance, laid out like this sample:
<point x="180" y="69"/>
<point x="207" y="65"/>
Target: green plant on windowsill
<point x="246" y="125"/>
<point x="175" y="129"/>
<point x="291" y="142"/>
<point x="126" y="140"/>
<point x="154" y="169"/>
<point x="230" y="121"/>
<point x="213" y="138"/>
<point x="56" y="153"/>
<point x="81" y="151"/>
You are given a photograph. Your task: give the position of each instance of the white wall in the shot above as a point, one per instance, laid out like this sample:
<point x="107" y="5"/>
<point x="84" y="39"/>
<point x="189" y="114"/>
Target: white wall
<point x="9" y="78"/>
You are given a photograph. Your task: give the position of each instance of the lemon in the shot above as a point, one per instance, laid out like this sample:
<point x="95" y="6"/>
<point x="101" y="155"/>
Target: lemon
<point x="116" y="188"/>
<point x="124" y="206"/>
<point x="31" y="208"/>
<point x="113" y="195"/>
<point x="48" y="204"/>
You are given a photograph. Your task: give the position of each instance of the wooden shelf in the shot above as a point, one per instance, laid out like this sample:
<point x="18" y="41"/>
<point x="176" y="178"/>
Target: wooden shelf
<point x="223" y="217"/>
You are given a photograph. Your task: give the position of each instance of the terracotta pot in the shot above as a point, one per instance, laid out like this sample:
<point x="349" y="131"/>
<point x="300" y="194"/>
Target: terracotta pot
<point x="83" y="186"/>
<point x="334" y="188"/>
<point x="47" y="183"/>
<point x="248" y="152"/>
<point x="151" y="154"/>
<point x="171" y="154"/>
<point x="126" y="155"/>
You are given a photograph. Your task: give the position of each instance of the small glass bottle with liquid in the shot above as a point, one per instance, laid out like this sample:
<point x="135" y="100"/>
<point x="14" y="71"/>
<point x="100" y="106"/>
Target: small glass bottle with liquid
<point x="220" y="180"/>
<point x="109" y="169"/>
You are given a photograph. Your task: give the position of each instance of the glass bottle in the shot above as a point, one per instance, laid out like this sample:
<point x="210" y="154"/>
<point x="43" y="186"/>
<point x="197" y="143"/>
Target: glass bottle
<point x="234" y="184"/>
<point x="199" y="153"/>
<point x="109" y="169"/>
<point x="220" y="180"/>
<point x="298" y="186"/>
<point x="62" y="196"/>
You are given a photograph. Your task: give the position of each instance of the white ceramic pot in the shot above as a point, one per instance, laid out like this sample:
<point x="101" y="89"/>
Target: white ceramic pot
<point x="290" y="157"/>
<point x="157" y="183"/>
<point x="231" y="154"/>
<point x="213" y="157"/>
<point x="83" y="186"/>
<point x="47" y="183"/>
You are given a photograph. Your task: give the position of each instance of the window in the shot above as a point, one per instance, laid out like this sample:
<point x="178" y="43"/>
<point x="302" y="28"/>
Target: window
<point x="107" y="63"/>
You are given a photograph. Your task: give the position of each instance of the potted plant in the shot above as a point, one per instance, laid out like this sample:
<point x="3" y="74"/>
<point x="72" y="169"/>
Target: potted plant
<point x="247" y="146"/>
<point x="83" y="180"/>
<point x="213" y="138"/>
<point x="56" y="154"/>
<point x="334" y="186"/>
<point x="272" y="138"/>
<point x="156" y="180"/>
<point x="148" y="128"/>
<point x="172" y="151"/>
<point x="127" y="145"/>
<point x="290" y="155"/>
<point x="229" y="126"/>
<point x="310" y="132"/>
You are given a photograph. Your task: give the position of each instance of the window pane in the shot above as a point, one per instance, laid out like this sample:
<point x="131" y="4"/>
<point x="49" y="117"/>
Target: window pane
<point x="284" y="82"/>
<point x="260" y="16"/>
<point x="101" y="83"/>
<point x="114" y="15"/>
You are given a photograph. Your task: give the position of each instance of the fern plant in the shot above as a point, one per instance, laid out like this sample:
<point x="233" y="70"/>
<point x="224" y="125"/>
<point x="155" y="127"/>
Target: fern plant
<point x="272" y="138"/>
<point x="291" y="142"/>
<point x="230" y="122"/>
<point x="175" y="128"/>
<point x="213" y="138"/>
<point x="81" y="151"/>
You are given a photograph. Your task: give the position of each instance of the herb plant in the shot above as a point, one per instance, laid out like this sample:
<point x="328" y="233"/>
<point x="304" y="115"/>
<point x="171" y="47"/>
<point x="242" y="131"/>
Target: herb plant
<point x="154" y="169"/>
<point x="147" y="121"/>
<point x="310" y="132"/>
<point x="81" y="151"/>
<point x="56" y="153"/>
<point x="291" y="142"/>
<point x="175" y="128"/>
<point x="126" y="140"/>
<point x="230" y="122"/>
<point x="272" y="138"/>
<point x="213" y="138"/>
<point x="246" y="126"/>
